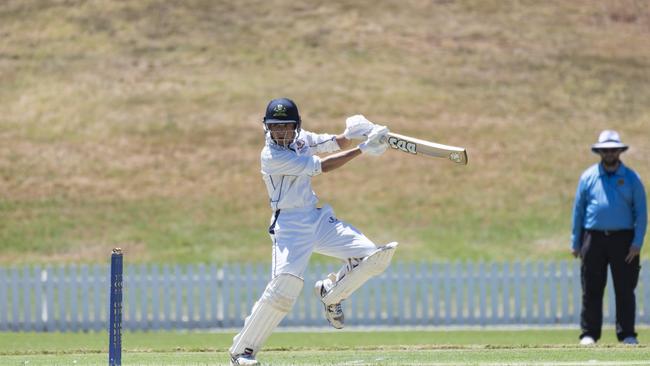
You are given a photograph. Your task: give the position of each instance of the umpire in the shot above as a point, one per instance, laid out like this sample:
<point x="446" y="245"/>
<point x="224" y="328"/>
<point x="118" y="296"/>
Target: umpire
<point x="609" y="223"/>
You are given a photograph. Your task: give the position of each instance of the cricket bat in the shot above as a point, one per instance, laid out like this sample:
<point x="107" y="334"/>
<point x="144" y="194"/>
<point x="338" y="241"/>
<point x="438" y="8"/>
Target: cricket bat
<point x="414" y="146"/>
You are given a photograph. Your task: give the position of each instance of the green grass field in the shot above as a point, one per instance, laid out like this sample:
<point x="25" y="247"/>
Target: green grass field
<point x="137" y="123"/>
<point x="377" y="347"/>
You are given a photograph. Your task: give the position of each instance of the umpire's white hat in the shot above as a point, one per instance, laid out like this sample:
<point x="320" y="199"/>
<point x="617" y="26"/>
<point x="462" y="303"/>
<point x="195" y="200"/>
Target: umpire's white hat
<point x="608" y="139"/>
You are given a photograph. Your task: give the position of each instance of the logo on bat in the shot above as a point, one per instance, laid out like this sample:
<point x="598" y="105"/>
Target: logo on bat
<point x="405" y="146"/>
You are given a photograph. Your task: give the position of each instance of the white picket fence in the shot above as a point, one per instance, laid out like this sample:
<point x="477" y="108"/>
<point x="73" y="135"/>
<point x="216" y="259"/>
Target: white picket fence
<point x="74" y="298"/>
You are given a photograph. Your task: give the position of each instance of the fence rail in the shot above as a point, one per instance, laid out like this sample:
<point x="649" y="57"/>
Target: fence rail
<point x="75" y="298"/>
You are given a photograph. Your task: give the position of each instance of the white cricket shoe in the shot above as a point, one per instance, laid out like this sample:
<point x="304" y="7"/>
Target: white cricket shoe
<point x="630" y="340"/>
<point x="587" y="341"/>
<point x="333" y="313"/>
<point x="244" y="359"/>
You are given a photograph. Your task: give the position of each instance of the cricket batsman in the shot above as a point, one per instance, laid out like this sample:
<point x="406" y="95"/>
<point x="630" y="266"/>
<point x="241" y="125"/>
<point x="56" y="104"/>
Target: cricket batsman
<point x="299" y="226"/>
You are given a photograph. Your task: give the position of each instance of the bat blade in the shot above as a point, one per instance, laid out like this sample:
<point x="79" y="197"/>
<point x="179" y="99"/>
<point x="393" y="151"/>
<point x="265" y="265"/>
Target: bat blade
<point x="414" y="146"/>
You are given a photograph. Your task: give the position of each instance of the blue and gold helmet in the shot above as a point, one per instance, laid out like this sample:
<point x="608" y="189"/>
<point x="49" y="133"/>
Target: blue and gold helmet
<point x="282" y="110"/>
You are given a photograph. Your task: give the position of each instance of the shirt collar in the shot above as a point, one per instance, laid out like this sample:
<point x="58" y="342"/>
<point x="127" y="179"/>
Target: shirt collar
<point x="619" y="171"/>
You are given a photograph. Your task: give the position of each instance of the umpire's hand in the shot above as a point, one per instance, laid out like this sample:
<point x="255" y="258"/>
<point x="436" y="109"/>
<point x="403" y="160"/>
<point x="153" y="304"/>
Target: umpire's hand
<point x="634" y="251"/>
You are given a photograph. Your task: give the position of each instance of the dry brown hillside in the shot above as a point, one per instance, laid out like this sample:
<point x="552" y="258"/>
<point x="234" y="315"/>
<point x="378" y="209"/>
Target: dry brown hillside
<point x="137" y="123"/>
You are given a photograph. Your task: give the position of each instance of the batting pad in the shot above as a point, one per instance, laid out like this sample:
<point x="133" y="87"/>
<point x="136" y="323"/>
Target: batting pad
<point x="268" y="311"/>
<point x="370" y="266"/>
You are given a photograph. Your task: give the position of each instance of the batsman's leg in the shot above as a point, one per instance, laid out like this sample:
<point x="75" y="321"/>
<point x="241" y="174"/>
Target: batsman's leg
<point x="339" y="239"/>
<point x="276" y="301"/>
<point x="339" y="286"/>
<point x="355" y="273"/>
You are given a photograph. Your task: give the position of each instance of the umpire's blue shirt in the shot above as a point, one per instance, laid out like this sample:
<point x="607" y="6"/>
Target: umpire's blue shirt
<point x="609" y="201"/>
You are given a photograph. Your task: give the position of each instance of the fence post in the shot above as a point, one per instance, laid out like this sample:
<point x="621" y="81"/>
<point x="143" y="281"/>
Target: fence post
<point x="505" y="281"/>
<point x="202" y="287"/>
<point x="517" y="291"/>
<point x="4" y="304"/>
<point x="447" y="298"/>
<point x="225" y="293"/>
<point x="131" y="303"/>
<point x="15" y="285"/>
<point x="469" y="272"/>
<point x="48" y="303"/>
<point x="552" y="276"/>
<point x="413" y="290"/>
<point x="577" y="291"/>
<point x="213" y="288"/>
<point x="237" y="285"/>
<point x="460" y="293"/>
<point x="389" y="294"/>
<point x="400" y="284"/>
<point x="541" y="292"/>
<point x="189" y="291"/>
<point x="99" y="291"/>
<point x="482" y="274"/>
<point x="564" y="293"/>
<point x="61" y="296"/>
<point x="378" y="300"/>
<point x="145" y="288"/>
<point x="529" y="292"/>
<point x="178" y="281"/>
<point x="154" y="278"/>
<point x="166" y="321"/>
<point x="83" y="282"/>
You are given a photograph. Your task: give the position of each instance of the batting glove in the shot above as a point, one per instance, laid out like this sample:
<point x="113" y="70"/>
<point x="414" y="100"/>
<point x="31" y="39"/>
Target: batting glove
<point x="376" y="143"/>
<point x="357" y="127"/>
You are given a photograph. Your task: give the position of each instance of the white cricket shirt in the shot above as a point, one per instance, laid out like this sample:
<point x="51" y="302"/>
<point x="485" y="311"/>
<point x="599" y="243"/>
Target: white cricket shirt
<point x="287" y="172"/>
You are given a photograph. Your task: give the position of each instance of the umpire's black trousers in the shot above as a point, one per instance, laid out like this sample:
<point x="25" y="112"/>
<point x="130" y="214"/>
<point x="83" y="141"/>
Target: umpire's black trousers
<point x="600" y="248"/>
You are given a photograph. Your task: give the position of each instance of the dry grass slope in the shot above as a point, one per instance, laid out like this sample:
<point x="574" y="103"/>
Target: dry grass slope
<point x="137" y="124"/>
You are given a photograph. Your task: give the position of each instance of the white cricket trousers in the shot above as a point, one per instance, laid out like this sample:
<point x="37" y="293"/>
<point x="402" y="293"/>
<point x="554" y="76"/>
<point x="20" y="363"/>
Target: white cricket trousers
<point x="298" y="232"/>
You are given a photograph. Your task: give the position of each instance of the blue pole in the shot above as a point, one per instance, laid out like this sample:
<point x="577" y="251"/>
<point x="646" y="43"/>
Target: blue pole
<point x="115" y="318"/>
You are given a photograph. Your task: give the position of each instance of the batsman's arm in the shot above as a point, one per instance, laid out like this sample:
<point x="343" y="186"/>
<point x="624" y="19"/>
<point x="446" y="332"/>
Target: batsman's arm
<point x="337" y="160"/>
<point x="343" y="142"/>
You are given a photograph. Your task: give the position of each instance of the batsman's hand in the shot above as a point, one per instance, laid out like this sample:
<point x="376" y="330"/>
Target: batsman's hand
<point x="376" y="143"/>
<point x="357" y="127"/>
